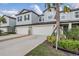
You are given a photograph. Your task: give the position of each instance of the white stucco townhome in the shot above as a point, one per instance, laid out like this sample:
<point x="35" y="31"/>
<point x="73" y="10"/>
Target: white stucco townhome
<point x="24" y="19"/>
<point x="8" y="25"/>
<point x="29" y="22"/>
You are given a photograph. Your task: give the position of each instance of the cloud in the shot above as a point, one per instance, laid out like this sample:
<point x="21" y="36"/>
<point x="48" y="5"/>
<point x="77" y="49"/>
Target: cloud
<point x="8" y="12"/>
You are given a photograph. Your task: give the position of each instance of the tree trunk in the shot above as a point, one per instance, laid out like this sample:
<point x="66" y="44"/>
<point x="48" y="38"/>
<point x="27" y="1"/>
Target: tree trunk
<point x="58" y="24"/>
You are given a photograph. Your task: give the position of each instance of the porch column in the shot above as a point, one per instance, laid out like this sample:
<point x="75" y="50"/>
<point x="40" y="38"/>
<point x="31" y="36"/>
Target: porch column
<point x="69" y="26"/>
<point x="61" y="30"/>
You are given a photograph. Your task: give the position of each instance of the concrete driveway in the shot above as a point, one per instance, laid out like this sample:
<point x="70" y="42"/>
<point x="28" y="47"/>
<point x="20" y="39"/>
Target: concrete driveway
<point x="20" y="46"/>
<point x="11" y="36"/>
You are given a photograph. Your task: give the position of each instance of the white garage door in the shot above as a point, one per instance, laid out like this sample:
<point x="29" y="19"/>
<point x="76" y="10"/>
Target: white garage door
<point x="42" y="30"/>
<point x="3" y="29"/>
<point x="22" y="30"/>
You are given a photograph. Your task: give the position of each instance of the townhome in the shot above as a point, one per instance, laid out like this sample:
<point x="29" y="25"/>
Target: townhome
<point x="8" y="25"/>
<point x="67" y="20"/>
<point x="29" y="22"/>
<point x="24" y="19"/>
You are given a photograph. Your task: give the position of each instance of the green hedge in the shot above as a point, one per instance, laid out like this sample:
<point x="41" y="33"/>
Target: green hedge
<point x="68" y="44"/>
<point x="73" y="33"/>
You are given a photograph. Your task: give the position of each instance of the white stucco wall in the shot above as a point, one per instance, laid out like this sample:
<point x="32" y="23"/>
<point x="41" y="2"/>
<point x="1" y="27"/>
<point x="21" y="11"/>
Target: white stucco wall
<point x="12" y="22"/>
<point x="35" y="18"/>
<point x="49" y="15"/>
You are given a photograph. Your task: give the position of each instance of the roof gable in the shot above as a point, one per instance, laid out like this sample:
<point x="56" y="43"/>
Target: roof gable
<point x="8" y="16"/>
<point x="26" y="11"/>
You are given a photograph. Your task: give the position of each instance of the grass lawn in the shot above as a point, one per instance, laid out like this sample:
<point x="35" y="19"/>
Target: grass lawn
<point x="46" y="50"/>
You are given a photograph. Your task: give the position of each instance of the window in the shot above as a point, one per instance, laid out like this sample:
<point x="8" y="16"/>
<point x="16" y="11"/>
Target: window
<point x="62" y="17"/>
<point x="26" y="17"/>
<point x="40" y="19"/>
<point x="50" y="17"/>
<point x="20" y="18"/>
<point x="77" y="14"/>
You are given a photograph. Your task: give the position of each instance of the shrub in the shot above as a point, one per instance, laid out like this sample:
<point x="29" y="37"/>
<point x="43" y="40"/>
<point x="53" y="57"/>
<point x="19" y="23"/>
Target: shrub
<point x="11" y="32"/>
<point x="51" y="39"/>
<point x="1" y="32"/>
<point x="71" y="45"/>
<point x="73" y="33"/>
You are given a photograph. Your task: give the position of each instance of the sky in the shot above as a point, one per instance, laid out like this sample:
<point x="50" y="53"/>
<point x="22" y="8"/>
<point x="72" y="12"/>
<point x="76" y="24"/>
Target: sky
<point x="13" y="8"/>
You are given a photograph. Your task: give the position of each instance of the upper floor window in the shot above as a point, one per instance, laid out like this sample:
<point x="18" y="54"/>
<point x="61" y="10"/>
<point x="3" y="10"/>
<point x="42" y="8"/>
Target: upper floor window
<point x="62" y="17"/>
<point x="40" y="19"/>
<point x="77" y="14"/>
<point x="26" y="17"/>
<point x="50" y="17"/>
<point x="19" y="18"/>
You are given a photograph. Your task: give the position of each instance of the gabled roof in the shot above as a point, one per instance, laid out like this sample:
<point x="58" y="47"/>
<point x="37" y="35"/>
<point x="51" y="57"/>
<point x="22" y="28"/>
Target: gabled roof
<point x="9" y="16"/>
<point x="26" y="11"/>
<point x="47" y="9"/>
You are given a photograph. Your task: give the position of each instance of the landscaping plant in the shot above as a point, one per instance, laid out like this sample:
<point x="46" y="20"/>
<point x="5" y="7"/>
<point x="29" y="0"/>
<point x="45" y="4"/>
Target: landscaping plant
<point x="73" y="33"/>
<point x="69" y="44"/>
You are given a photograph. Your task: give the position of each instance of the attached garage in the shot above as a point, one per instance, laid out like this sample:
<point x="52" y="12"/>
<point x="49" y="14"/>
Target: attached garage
<point x="46" y="29"/>
<point x="22" y="30"/>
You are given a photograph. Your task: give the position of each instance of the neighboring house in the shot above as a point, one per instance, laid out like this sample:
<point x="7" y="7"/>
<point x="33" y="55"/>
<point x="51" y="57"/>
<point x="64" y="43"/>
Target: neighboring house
<point x="23" y="18"/>
<point x="8" y="24"/>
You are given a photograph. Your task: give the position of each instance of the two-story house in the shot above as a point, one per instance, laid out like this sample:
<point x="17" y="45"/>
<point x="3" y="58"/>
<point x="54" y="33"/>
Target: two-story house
<point x="8" y="25"/>
<point x="24" y="19"/>
<point x="67" y="20"/>
<point x="27" y="21"/>
<point x="48" y="22"/>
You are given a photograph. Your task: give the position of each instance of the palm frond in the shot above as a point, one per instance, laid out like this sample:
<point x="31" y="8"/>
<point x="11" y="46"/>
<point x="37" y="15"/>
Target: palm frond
<point x="67" y="9"/>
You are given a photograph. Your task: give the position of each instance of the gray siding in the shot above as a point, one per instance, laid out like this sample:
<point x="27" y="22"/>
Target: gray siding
<point x="35" y="18"/>
<point x="12" y="22"/>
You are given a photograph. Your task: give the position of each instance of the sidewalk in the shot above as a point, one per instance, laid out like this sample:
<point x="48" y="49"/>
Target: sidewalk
<point x="20" y="46"/>
<point x="11" y="36"/>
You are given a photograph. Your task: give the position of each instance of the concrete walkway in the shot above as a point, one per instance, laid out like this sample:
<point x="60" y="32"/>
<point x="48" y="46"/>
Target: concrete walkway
<point x="20" y="46"/>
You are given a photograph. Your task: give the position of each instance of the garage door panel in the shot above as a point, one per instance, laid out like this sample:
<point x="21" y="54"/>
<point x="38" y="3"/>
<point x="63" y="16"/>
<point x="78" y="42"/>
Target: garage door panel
<point x="22" y="30"/>
<point x="42" y="30"/>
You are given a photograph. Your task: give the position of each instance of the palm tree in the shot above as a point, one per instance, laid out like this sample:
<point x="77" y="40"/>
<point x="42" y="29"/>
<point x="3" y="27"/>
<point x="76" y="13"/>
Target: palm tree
<point x="2" y="19"/>
<point x="57" y="17"/>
